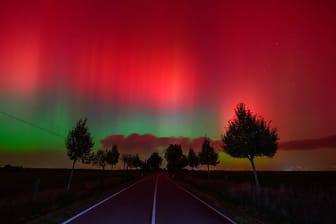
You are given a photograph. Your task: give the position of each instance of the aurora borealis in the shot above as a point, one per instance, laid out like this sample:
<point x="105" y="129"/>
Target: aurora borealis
<point x="168" y="69"/>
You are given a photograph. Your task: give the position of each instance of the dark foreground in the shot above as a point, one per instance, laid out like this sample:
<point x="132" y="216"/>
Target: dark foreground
<point x="27" y="194"/>
<point x="285" y="197"/>
<point x="154" y="199"/>
<point x="38" y="196"/>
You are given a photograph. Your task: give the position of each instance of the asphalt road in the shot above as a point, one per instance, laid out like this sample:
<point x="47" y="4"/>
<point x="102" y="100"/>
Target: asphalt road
<point x="155" y="199"/>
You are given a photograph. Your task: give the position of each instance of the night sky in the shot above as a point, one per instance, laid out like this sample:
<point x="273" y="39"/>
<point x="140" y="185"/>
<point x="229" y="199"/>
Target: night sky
<point x="150" y="73"/>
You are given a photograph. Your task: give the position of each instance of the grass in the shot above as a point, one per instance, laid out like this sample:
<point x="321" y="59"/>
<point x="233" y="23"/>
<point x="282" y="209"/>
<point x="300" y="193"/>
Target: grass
<point x="39" y="195"/>
<point x="285" y="197"/>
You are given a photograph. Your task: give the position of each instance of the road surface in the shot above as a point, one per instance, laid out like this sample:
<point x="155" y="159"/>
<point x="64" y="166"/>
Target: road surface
<point x="155" y="199"/>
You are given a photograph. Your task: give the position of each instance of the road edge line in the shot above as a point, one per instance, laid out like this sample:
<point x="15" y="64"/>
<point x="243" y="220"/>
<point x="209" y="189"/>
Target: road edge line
<point x="204" y="203"/>
<point x="154" y="200"/>
<point x="100" y="202"/>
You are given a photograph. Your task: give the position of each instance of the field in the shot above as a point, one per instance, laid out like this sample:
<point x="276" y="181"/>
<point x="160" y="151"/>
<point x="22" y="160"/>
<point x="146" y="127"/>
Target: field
<point x="285" y="197"/>
<point x="26" y="194"/>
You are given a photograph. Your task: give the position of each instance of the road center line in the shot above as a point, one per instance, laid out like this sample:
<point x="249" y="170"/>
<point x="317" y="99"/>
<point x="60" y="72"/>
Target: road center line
<point x="101" y="202"/>
<point x="154" y="199"/>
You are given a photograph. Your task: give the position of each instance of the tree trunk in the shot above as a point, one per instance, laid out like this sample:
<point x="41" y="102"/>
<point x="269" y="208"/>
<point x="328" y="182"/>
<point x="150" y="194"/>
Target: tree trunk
<point x="255" y="174"/>
<point x="208" y="170"/>
<point x="71" y="174"/>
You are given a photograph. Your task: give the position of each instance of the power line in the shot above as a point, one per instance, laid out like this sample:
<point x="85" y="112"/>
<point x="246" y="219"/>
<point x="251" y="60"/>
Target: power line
<point x="31" y="124"/>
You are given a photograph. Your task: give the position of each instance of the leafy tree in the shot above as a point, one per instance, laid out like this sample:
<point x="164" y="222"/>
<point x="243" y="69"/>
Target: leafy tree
<point x="112" y="156"/>
<point x="175" y="158"/>
<point x="79" y="144"/>
<point x="249" y="136"/>
<point x="136" y="161"/>
<point x="208" y="156"/>
<point x="132" y="161"/>
<point x="127" y="160"/>
<point x="193" y="159"/>
<point x="100" y="158"/>
<point x="182" y="163"/>
<point x="154" y="161"/>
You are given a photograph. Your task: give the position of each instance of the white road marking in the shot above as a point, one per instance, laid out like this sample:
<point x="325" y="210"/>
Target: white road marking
<point x="204" y="203"/>
<point x="154" y="199"/>
<point x="101" y="202"/>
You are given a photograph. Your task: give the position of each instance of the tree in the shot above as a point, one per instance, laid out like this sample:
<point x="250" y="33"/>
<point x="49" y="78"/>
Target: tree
<point x="154" y="161"/>
<point x="208" y="156"/>
<point x="249" y="136"/>
<point x="175" y="158"/>
<point x="132" y="161"/>
<point x="127" y="160"/>
<point x="112" y="156"/>
<point x="100" y="158"/>
<point x="182" y="163"/>
<point x="79" y="144"/>
<point x="193" y="159"/>
<point x="136" y="161"/>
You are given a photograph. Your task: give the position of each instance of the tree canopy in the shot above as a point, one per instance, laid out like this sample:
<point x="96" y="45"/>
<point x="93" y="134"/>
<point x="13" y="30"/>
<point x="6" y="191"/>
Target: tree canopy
<point x="249" y="135"/>
<point x="79" y="142"/>
<point x="175" y="158"/>
<point x="154" y="161"/>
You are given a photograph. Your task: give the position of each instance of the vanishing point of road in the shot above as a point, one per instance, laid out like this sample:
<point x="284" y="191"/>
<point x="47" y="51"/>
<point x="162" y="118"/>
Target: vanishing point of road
<point x="155" y="199"/>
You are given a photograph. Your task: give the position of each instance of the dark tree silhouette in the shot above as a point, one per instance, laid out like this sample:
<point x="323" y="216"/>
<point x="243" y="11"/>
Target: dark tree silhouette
<point x="154" y="161"/>
<point x="182" y="163"/>
<point x="136" y="162"/>
<point x="79" y="144"/>
<point x="193" y="159"/>
<point x="131" y="161"/>
<point x="208" y="156"/>
<point x="112" y="156"/>
<point x="127" y="160"/>
<point x="175" y="158"/>
<point x="99" y="158"/>
<point x="249" y="136"/>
